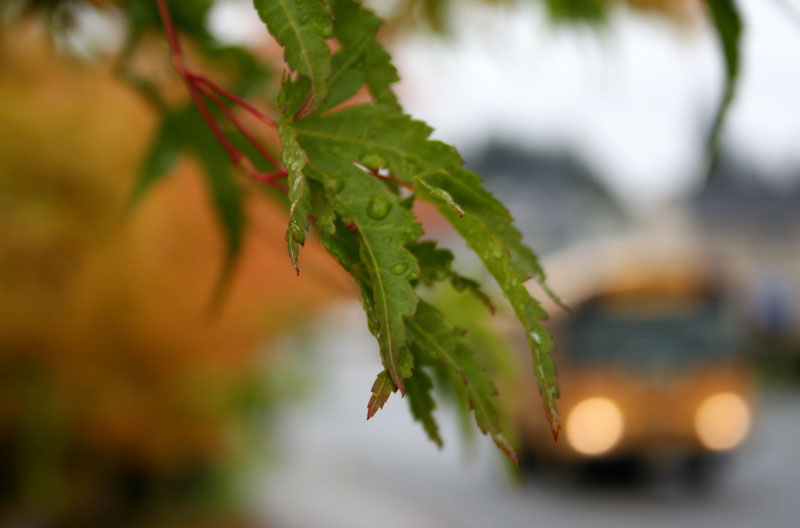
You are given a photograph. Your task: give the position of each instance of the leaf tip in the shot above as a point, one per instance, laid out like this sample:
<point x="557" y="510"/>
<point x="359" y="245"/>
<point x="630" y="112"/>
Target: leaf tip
<point x="555" y="424"/>
<point x="506" y="448"/>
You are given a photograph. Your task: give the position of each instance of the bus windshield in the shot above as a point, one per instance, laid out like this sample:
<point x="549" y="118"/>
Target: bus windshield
<point x="646" y="331"/>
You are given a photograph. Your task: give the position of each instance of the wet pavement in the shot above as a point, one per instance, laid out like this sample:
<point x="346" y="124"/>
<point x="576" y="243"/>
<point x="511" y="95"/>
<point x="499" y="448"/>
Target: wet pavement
<point x="338" y="470"/>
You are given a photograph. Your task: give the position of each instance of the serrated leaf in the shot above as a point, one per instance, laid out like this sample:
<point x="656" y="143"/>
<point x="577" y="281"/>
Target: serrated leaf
<point x="728" y="25"/>
<point x="301" y="27"/>
<point x="461" y="283"/>
<point x="429" y="331"/>
<point x="420" y="401"/>
<point x="294" y="160"/>
<point x="367" y="131"/>
<point x="384" y="229"/>
<point x="494" y="255"/>
<point x="345" y="80"/>
<point x="441" y="194"/>
<point x="362" y="59"/>
<point x="434" y="263"/>
<point x="380" y="74"/>
<point x="325" y="216"/>
<point x="523" y="259"/>
<point x="344" y="245"/>
<point x="381" y="390"/>
<point x="401" y="144"/>
<point x="435" y="266"/>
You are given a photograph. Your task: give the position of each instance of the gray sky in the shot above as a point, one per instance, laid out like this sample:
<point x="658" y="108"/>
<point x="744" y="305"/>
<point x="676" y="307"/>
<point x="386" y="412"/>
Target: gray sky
<point x="635" y="100"/>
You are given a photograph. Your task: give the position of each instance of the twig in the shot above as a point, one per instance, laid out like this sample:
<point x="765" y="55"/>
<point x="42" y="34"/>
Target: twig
<point x="241" y="128"/>
<point x="195" y="83"/>
<point x="201" y="79"/>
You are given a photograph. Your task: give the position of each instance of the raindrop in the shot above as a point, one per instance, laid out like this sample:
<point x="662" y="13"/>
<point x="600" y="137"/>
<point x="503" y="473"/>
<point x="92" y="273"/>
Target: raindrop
<point x="378" y="208"/>
<point x="335" y="184"/>
<point x="536" y="338"/>
<point x="497" y="248"/>
<point x="399" y="268"/>
<point x="372" y="160"/>
<point x="325" y="30"/>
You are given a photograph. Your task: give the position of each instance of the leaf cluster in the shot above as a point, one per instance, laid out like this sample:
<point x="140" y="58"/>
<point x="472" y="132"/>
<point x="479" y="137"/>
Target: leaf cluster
<point x="354" y="174"/>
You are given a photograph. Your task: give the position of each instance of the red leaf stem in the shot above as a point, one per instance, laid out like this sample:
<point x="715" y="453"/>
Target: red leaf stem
<point x="199" y="86"/>
<point x="242" y="129"/>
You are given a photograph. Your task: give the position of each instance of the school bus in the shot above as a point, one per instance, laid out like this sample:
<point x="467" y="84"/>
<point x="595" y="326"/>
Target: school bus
<point x="650" y="365"/>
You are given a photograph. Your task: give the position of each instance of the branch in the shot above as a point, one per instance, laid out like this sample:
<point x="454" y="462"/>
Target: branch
<point x="241" y="128"/>
<point x="201" y="79"/>
<point x="195" y="83"/>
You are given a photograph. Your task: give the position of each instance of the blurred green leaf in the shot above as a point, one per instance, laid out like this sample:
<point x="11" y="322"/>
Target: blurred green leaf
<point x="183" y="131"/>
<point x="728" y="25"/>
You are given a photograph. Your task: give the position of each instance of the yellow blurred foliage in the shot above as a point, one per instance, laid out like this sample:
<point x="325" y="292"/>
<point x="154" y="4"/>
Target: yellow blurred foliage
<point x="105" y="341"/>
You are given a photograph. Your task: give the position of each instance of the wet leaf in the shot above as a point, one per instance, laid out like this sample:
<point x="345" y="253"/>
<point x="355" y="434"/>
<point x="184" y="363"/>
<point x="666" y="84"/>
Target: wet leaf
<point x="384" y="228"/>
<point x="294" y="160"/>
<point x="301" y="27"/>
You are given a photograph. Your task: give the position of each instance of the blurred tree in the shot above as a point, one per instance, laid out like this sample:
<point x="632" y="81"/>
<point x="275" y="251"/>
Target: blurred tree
<point x="119" y="395"/>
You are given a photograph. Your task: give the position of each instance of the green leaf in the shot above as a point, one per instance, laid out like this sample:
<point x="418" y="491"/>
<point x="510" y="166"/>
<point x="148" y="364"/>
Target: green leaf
<point x="226" y="195"/>
<point x="161" y="157"/>
<point x="523" y="259"/>
<point x="461" y="283"/>
<point x="435" y="266"/>
<point x="375" y="132"/>
<point x="301" y="27"/>
<point x="434" y="263"/>
<point x="184" y="131"/>
<point x="384" y="228"/>
<point x="393" y="140"/>
<point x="728" y="25"/>
<point x="294" y="160"/>
<point x="345" y="81"/>
<point x="441" y="194"/>
<point x="429" y="331"/>
<point x="420" y="401"/>
<point x="324" y="215"/>
<point x="344" y="245"/>
<point x="380" y="74"/>
<point x="590" y="11"/>
<point x="381" y="390"/>
<point x="362" y="57"/>
<point x="494" y="255"/>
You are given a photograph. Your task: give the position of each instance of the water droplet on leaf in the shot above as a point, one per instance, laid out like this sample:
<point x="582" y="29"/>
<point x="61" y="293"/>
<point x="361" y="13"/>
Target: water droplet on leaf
<point x="325" y="30"/>
<point x="335" y="184"/>
<point x="372" y="160"/>
<point x="497" y="248"/>
<point x="378" y="208"/>
<point x="399" y="268"/>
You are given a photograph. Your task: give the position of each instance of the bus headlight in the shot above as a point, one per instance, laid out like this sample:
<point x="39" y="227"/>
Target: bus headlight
<point x="594" y="426"/>
<point x="722" y="421"/>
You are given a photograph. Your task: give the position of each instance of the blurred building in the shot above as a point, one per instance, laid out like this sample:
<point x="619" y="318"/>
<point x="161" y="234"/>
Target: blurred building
<point x="555" y="198"/>
<point x="750" y="221"/>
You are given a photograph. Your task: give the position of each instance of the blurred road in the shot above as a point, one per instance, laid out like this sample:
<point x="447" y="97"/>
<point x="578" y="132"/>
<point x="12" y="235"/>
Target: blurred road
<point x="337" y="470"/>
